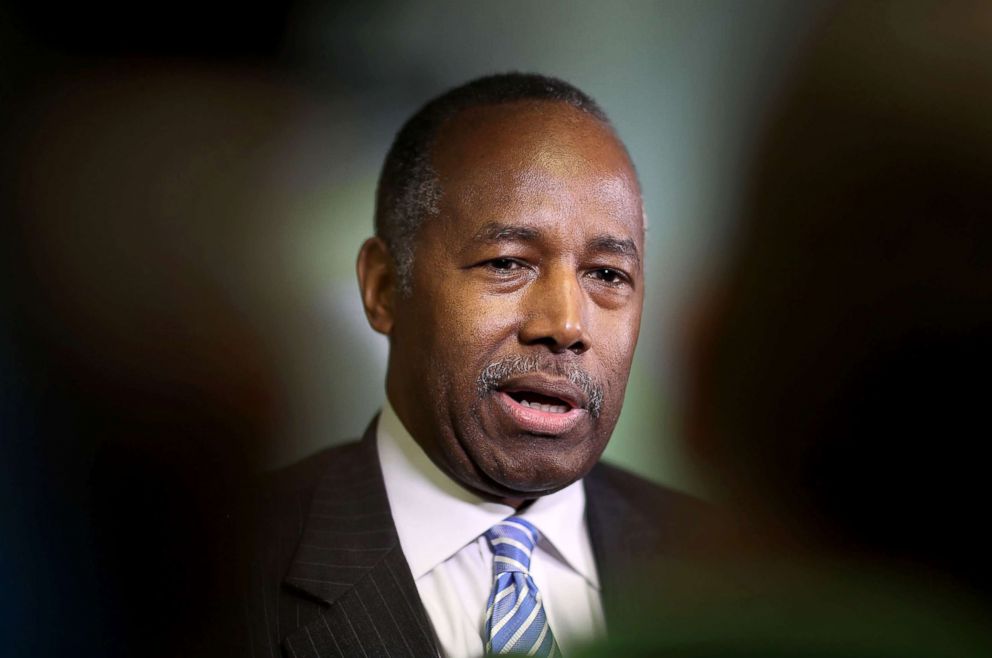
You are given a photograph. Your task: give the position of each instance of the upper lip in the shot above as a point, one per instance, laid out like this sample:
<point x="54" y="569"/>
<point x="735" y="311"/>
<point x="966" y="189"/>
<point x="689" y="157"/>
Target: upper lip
<point x="547" y="385"/>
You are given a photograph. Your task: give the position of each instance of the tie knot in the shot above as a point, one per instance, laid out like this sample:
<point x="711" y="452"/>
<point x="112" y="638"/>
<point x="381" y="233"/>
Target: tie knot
<point x="512" y="541"/>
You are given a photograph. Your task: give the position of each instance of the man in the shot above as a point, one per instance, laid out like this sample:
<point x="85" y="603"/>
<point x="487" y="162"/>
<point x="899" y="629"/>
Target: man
<point x="507" y="273"/>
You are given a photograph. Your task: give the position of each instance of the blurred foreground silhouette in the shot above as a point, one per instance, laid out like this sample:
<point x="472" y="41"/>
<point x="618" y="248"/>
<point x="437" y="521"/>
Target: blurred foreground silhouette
<point x="837" y="377"/>
<point x="140" y="392"/>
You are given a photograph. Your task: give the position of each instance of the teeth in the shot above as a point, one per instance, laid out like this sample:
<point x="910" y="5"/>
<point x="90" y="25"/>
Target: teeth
<point x="548" y="408"/>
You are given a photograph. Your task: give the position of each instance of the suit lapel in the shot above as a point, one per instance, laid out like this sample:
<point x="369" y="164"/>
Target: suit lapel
<point x="349" y="560"/>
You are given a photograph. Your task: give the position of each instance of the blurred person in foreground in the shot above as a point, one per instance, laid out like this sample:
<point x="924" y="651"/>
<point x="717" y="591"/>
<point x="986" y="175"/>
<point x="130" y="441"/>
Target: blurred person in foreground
<point x="836" y="380"/>
<point x="473" y="516"/>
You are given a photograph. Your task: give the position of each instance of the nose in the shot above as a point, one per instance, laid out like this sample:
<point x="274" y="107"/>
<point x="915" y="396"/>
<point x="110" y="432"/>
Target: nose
<point x="555" y="316"/>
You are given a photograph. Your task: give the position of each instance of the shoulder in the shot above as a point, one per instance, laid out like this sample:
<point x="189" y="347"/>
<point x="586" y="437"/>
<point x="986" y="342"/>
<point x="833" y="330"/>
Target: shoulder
<point x="305" y="474"/>
<point x="281" y="498"/>
<point x="615" y="482"/>
<point x="668" y="520"/>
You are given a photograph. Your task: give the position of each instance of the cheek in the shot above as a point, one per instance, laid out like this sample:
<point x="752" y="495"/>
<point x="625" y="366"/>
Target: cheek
<point x="617" y="337"/>
<point x="616" y="352"/>
<point x="467" y="328"/>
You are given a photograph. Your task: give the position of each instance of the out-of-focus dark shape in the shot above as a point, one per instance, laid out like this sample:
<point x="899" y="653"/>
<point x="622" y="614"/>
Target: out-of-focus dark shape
<point x="142" y="392"/>
<point x="837" y="391"/>
<point x="178" y="28"/>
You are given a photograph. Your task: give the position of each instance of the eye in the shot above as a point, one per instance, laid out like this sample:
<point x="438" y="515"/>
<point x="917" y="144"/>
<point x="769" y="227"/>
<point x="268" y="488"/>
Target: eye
<point x="504" y="264"/>
<point x="610" y="276"/>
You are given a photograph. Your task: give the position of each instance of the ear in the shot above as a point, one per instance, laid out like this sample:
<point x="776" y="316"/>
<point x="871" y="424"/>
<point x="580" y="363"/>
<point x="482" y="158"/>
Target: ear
<point x="377" y="283"/>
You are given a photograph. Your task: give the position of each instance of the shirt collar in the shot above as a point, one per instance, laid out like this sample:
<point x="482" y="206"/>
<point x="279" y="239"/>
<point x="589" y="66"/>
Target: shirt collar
<point x="435" y="517"/>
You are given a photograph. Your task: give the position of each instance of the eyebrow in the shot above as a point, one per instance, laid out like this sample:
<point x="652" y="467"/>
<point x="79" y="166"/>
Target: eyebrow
<point x="496" y="232"/>
<point x="610" y="244"/>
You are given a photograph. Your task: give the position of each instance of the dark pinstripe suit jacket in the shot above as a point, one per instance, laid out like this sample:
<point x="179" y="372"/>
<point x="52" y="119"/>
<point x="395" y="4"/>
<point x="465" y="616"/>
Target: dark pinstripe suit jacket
<point x="330" y="578"/>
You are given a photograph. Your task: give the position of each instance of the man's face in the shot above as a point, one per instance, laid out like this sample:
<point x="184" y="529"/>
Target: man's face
<point x="510" y="357"/>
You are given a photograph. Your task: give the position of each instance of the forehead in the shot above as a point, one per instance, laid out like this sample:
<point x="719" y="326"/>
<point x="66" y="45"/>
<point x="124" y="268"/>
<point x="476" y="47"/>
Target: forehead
<point x="534" y="157"/>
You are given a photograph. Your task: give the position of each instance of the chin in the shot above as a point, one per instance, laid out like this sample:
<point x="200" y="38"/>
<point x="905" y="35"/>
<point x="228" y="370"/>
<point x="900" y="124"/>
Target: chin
<point x="531" y="473"/>
<point x="520" y="490"/>
<point x="495" y="454"/>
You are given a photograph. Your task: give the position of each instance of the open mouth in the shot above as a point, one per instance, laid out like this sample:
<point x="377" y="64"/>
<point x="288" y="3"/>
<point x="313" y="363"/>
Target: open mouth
<point x="551" y="411"/>
<point x="540" y="402"/>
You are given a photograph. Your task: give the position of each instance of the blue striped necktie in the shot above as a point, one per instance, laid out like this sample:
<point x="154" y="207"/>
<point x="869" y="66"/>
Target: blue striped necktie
<point x="515" y="618"/>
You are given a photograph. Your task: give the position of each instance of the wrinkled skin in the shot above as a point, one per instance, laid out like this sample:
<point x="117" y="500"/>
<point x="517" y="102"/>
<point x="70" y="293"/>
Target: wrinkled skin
<point x="535" y="253"/>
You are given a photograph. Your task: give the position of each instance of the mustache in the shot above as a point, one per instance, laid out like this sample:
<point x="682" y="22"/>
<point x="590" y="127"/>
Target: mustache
<point x="495" y="375"/>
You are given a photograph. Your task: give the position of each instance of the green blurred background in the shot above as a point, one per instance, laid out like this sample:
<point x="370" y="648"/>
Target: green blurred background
<point x="684" y="82"/>
<point x="183" y="190"/>
<point x="204" y="176"/>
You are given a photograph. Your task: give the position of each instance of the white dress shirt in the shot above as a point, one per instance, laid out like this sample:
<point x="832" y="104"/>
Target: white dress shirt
<point x="440" y="527"/>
